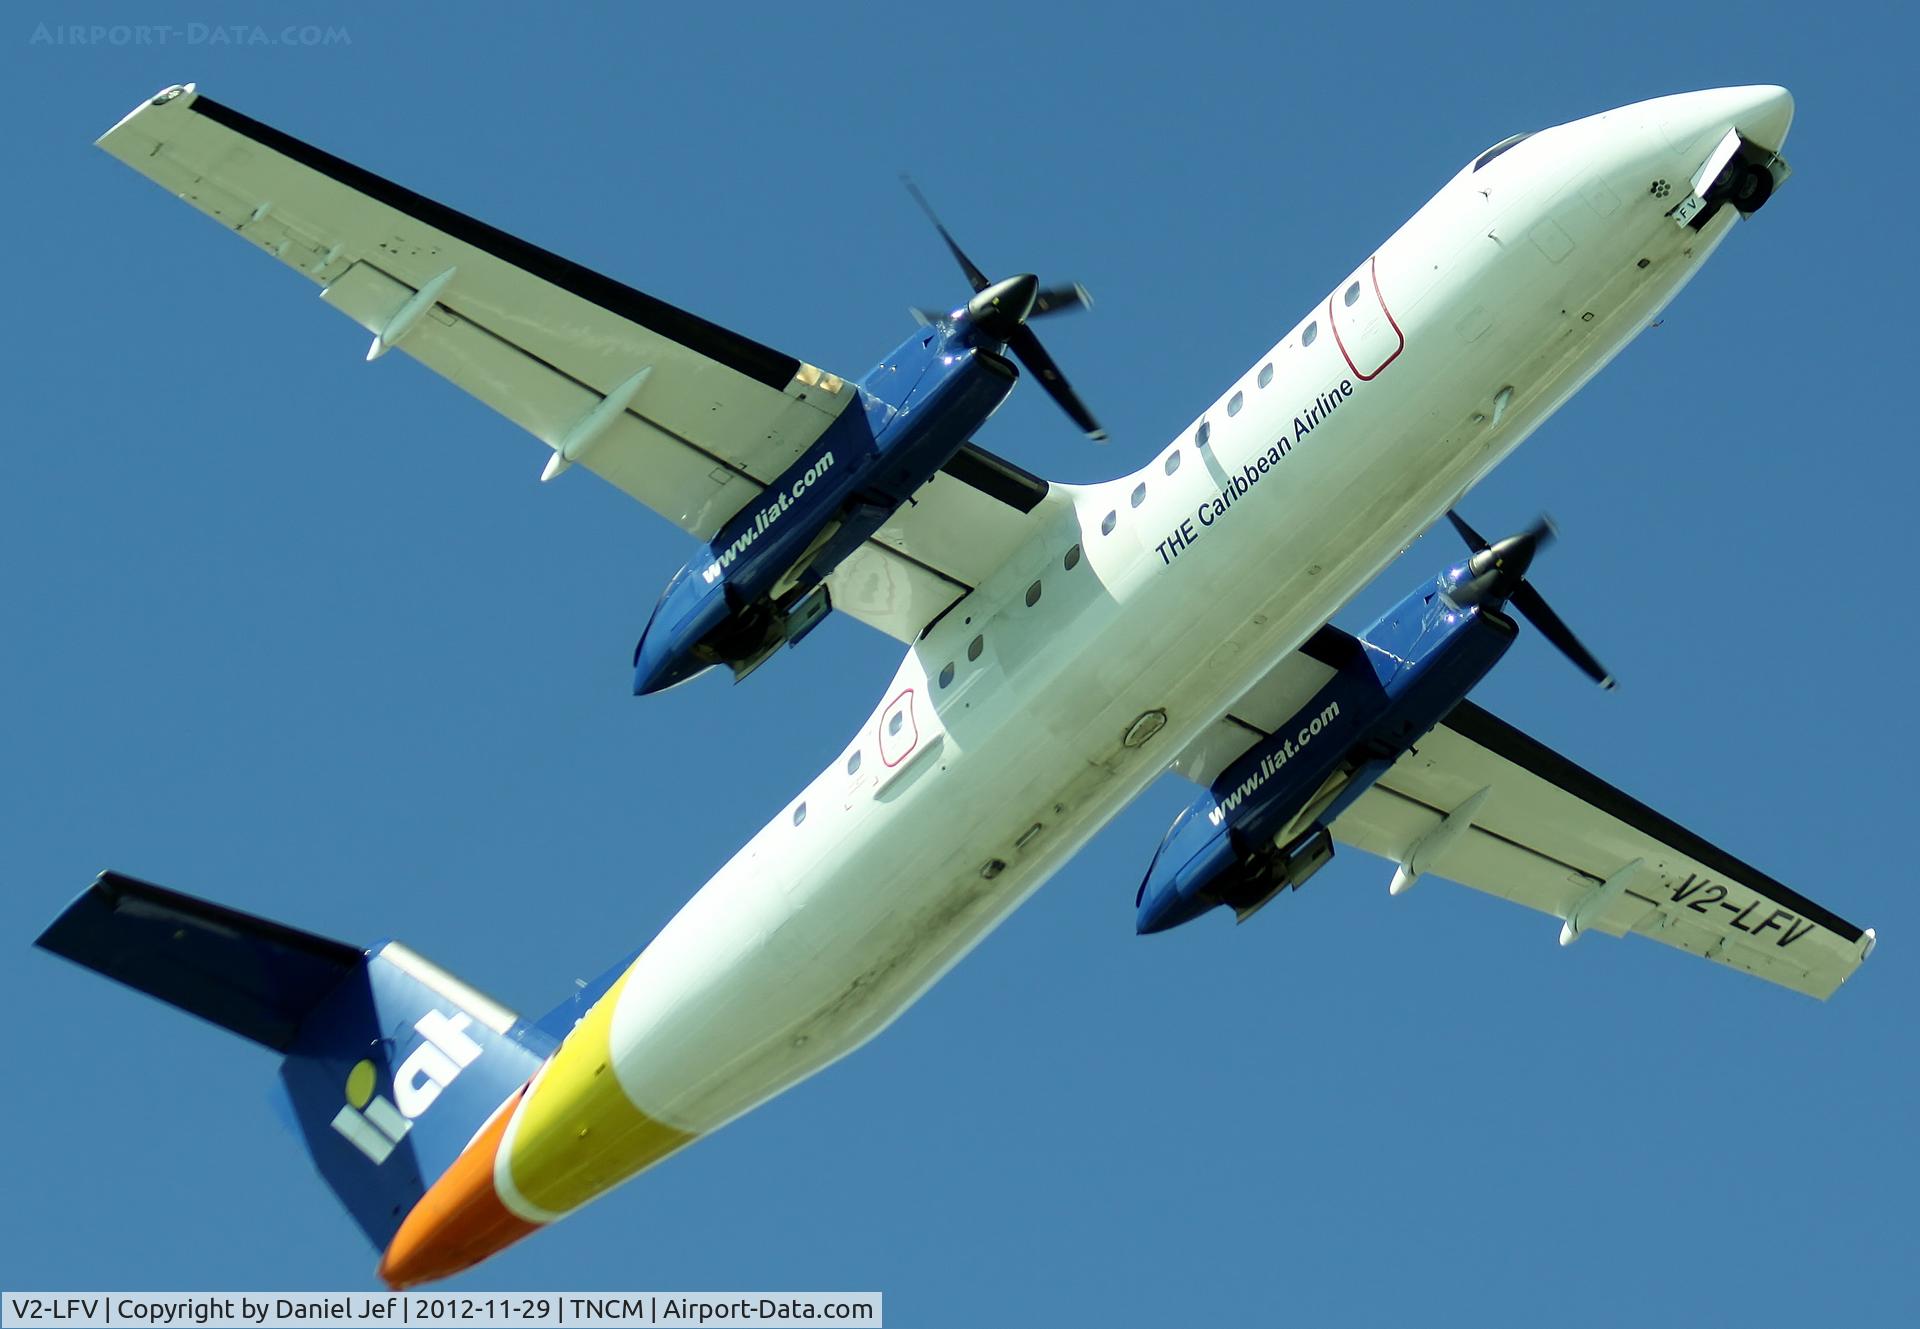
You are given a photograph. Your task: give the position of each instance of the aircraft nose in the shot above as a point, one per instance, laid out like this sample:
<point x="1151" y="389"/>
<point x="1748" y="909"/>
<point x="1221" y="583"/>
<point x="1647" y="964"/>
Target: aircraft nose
<point x="1766" y="115"/>
<point x="1762" y="112"/>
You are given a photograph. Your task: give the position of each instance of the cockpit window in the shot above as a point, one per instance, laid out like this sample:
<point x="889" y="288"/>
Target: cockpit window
<point x="1499" y="148"/>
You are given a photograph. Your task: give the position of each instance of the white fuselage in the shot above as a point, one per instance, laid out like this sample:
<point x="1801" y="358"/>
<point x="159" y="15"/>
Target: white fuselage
<point x="1506" y="292"/>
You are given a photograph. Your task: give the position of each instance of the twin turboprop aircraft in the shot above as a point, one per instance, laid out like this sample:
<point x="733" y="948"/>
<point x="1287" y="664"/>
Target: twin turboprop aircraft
<point x="1066" y="644"/>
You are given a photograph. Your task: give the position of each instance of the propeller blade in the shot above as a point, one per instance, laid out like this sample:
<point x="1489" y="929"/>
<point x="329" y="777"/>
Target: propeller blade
<point x="1060" y="299"/>
<point x="1530" y="602"/>
<point x="1027" y="347"/>
<point x="1021" y="341"/>
<point x="974" y="275"/>
<point x="1473" y="538"/>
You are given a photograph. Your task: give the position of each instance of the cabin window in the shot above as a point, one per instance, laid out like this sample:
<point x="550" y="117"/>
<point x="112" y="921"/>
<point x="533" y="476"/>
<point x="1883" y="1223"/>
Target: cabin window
<point x="853" y="763"/>
<point x="1033" y="595"/>
<point x="974" y="647"/>
<point x="1235" y="402"/>
<point x="1352" y="295"/>
<point x="1072" y="560"/>
<point x="1173" y="458"/>
<point x="894" y="721"/>
<point x="1107" y="523"/>
<point x="1266" y="373"/>
<point x="1313" y="330"/>
<point x="799" y="813"/>
<point x="946" y="675"/>
<point x="1139" y="494"/>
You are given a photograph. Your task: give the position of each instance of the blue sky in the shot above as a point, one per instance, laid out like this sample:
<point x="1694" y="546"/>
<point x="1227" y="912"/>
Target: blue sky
<point x="304" y="635"/>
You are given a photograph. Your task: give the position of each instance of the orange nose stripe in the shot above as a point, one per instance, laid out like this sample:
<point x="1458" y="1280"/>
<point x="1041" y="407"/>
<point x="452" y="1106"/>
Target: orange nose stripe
<point x="460" y="1221"/>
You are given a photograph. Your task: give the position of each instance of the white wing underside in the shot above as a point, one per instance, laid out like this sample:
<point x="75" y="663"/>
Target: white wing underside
<point x="713" y="419"/>
<point x="1555" y="838"/>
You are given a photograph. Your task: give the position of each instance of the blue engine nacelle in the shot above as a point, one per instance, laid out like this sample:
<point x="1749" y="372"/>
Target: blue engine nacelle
<point x="1263" y="823"/>
<point x="675" y="645"/>
<point x="761" y="580"/>
<point x="1206" y="866"/>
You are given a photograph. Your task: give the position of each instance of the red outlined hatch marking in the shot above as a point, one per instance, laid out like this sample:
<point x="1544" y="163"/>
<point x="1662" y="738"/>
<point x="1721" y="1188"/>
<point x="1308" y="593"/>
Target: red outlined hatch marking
<point x="1333" y="321"/>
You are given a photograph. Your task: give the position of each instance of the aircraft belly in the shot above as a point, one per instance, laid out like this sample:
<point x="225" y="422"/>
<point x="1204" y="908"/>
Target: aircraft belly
<point x="779" y="967"/>
<point x="817" y="935"/>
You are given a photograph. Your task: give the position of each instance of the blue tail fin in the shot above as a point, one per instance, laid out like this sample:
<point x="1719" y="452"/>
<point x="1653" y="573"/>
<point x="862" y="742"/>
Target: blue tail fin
<point x="392" y="1064"/>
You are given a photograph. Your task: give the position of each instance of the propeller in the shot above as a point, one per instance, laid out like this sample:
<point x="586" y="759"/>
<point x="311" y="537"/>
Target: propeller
<point x="1498" y="572"/>
<point x="1002" y="311"/>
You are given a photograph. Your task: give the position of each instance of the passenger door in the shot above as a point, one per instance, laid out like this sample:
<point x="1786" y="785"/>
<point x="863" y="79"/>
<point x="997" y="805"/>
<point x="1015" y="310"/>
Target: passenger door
<point x="1362" y="325"/>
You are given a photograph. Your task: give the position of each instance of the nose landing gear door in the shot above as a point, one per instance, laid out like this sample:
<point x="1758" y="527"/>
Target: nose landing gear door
<point x="1735" y="172"/>
<point x="1362" y="325"/>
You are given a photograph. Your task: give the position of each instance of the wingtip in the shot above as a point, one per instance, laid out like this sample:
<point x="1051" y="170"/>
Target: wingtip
<point x="1097" y="435"/>
<point x="161" y="98"/>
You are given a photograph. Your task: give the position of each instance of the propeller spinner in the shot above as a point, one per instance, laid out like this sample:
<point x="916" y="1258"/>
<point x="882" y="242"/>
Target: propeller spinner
<point x="1498" y="572"/>
<point x="1002" y="310"/>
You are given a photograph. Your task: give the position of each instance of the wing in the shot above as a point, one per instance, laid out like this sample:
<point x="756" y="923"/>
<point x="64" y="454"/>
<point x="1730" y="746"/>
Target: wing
<point x="957" y="530"/>
<point x="1557" y="838"/>
<point x="689" y="418"/>
<point x="1287" y="687"/>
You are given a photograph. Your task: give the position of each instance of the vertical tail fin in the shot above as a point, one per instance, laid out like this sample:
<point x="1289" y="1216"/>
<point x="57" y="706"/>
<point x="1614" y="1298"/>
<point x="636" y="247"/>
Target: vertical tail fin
<point x="391" y="1064"/>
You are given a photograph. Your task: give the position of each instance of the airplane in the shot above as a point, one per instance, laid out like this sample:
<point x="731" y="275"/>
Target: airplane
<point x="1065" y="645"/>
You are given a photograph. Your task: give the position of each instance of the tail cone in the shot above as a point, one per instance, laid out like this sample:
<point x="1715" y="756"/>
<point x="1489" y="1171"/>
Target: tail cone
<point x="460" y="1221"/>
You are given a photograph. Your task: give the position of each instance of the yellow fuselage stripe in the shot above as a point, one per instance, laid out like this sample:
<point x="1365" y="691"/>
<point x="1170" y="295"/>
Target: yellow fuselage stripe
<point x="578" y="1133"/>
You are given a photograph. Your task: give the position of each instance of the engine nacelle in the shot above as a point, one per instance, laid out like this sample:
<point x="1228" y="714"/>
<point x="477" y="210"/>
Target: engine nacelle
<point x="1263" y="824"/>
<point x="696" y="626"/>
<point x="761" y="580"/>
<point x="1199" y="867"/>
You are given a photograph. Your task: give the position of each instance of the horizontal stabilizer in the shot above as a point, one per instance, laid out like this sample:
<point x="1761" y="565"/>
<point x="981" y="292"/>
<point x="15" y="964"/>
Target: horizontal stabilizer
<point x="258" y="978"/>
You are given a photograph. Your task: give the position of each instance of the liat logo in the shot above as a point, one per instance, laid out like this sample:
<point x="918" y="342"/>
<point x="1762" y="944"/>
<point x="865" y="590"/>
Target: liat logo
<point x="373" y="1124"/>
